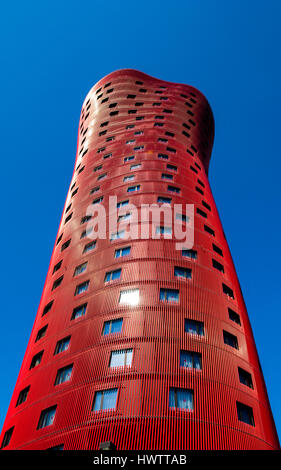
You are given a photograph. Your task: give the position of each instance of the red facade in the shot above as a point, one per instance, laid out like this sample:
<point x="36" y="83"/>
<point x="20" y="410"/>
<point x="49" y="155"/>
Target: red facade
<point x="175" y="366"/>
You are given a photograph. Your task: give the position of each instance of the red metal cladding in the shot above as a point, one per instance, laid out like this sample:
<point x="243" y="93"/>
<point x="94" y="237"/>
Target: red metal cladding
<point x="176" y="367"/>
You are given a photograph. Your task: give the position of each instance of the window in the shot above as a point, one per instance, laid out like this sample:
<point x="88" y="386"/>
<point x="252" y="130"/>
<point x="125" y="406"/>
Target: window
<point x="163" y="156"/>
<point x="218" y="265"/>
<point x="245" y="413"/>
<point x="23" y="396"/>
<point x="80" y="269"/>
<point x="89" y="247"/>
<point x="128" y="159"/>
<point x="234" y="316"/>
<point x="199" y="190"/>
<point x="64" y="374"/>
<point x="191" y="360"/>
<point x="7" y="437"/>
<point x="192" y="254"/>
<point x="202" y="213"/>
<point x="36" y="360"/>
<point x="122" y="204"/>
<point x="68" y="217"/>
<point x="57" y="266"/>
<point x="217" y="250"/>
<point x="131" y="189"/>
<point x="171" y="167"/>
<point x="57" y="282"/>
<point x="95" y="190"/>
<point x="194" y="327"/>
<point x="112" y="275"/>
<point x="82" y="288"/>
<point x="130" y="297"/>
<point x="206" y="205"/>
<point x="59" y="239"/>
<point x="184" y="273"/>
<point x="139" y="147"/>
<point x="120" y="252"/>
<point x="173" y="189"/>
<point x="226" y="290"/>
<point x="181" y="398"/>
<point x="209" y="230"/>
<point x="62" y="345"/>
<point x="230" y="339"/>
<point x="65" y="245"/>
<point x="85" y="219"/>
<point x="47" y="417"/>
<point x="166" y="176"/>
<point x="105" y="400"/>
<point x="97" y="168"/>
<point x="79" y="311"/>
<point x="245" y="377"/>
<point x="135" y="167"/>
<point x="161" y="230"/>
<point x="117" y="235"/>
<point x="164" y="200"/>
<point x="47" y="308"/>
<point x="128" y="178"/>
<point x="41" y="333"/>
<point x="121" y="358"/>
<point x="169" y="295"/>
<point x="101" y="177"/>
<point x="112" y="326"/>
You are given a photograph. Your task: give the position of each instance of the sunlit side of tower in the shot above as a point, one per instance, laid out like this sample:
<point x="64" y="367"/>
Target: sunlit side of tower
<point x="135" y="342"/>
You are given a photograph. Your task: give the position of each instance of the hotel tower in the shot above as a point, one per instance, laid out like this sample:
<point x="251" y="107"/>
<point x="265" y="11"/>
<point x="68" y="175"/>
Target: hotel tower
<point x="141" y="342"/>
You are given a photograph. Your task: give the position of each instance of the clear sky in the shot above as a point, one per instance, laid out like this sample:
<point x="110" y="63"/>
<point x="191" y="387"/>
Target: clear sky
<point x="53" y="52"/>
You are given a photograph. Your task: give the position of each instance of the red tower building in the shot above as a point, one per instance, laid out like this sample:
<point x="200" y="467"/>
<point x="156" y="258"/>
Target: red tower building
<point x="137" y="342"/>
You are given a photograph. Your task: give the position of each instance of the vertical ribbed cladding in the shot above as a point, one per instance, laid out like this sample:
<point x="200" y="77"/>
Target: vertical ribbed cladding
<point x="172" y="125"/>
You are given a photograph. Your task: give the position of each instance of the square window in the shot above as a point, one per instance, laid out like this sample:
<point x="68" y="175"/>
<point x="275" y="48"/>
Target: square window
<point x="41" y="333"/>
<point x="230" y="339"/>
<point x="181" y="398"/>
<point x="184" y="273"/>
<point x="62" y="345"/>
<point x="130" y="297"/>
<point x="234" y="316"/>
<point x="80" y="269"/>
<point x="226" y="290"/>
<point x="112" y="275"/>
<point x="121" y="358"/>
<point x="194" y="327"/>
<point x="245" y="414"/>
<point x="245" y="377"/>
<point x="36" y="360"/>
<point x="120" y="252"/>
<point x="192" y="254"/>
<point x="169" y="295"/>
<point x="23" y="396"/>
<point x="112" y="326"/>
<point x="79" y="311"/>
<point x="81" y="288"/>
<point x="64" y="374"/>
<point x="47" y="417"/>
<point x="89" y="247"/>
<point x="105" y="400"/>
<point x="7" y="437"/>
<point x="191" y="360"/>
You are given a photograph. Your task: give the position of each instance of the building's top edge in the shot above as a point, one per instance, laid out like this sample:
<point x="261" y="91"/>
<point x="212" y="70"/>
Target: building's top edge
<point x="137" y="74"/>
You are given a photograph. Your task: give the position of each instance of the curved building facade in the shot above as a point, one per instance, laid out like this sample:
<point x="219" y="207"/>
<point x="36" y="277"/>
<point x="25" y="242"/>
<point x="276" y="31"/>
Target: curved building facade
<point x="140" y="341"/>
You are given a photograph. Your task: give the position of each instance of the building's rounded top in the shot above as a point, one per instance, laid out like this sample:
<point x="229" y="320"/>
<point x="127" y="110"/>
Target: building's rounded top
<point x="205" y="123"/>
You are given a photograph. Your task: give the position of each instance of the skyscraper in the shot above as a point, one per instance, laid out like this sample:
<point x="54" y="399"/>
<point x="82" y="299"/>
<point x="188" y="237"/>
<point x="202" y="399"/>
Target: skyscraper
<point x="143" y="342"/>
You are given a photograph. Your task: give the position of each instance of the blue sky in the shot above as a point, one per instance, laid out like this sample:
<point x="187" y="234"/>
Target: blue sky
<point x="52" y="54"/>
